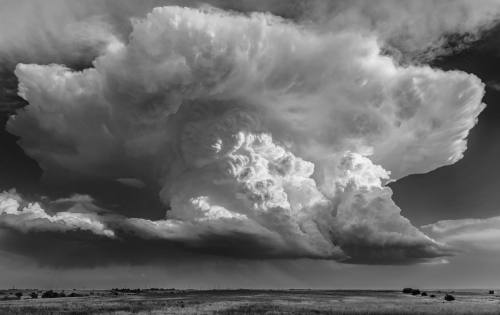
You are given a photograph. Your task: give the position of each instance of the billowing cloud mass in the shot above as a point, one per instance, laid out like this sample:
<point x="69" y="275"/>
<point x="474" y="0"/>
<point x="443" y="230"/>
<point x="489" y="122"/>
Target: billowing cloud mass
<point x="261" y="130"/>
<point x="75" y="32"/>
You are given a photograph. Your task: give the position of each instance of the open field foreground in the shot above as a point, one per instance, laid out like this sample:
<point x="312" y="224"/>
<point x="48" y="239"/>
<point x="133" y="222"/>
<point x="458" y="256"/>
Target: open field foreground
<point x="159" y="301"/>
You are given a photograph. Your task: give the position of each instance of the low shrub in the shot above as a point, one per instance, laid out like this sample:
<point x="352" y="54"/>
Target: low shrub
<point x="407" y="290"/>
<point x="51" y="294"/>
<point x="449" y="297"/>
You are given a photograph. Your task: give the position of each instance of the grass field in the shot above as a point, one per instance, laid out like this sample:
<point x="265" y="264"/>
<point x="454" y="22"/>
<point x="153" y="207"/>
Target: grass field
<point x="251" y="302"/>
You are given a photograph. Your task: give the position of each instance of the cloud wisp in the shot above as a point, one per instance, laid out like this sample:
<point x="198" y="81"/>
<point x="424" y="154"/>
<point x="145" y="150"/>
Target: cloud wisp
<point x="262" y="132"/>
<point x="467" y="234"/>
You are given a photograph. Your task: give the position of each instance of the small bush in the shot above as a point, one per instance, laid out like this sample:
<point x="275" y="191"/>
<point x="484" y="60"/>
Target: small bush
<point x="449" y="297"/>
<point x="126" y="290"/>
<point x="9" y="298"/>
<point x="407" y="290"/>
<point x="492" y="292"/>
<point x="415" y="292"/>
<point x="19" y="295"/>
<point x="34" y="295"/>
<point x="49" y="294"/>
<point x="432" y="296"/>
<point x="424" y="294"/>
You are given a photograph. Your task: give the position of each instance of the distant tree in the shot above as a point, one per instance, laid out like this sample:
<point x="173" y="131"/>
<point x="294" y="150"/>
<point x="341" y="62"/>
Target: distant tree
<point x="19" y="295"/>
<point x="449" y="297"/>
<point x="415" y="292"/>
<point x="49" y="294"/>
<point x="492" y="292"/>
<point x="432" y="296"/>
<point x="424" y="294"/>
<point x="407" y="290"/>
<point x="34" y="295"/>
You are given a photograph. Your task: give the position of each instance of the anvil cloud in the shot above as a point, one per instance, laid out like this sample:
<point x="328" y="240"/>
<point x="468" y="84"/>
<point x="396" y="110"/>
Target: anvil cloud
<point x="257" y="129"/>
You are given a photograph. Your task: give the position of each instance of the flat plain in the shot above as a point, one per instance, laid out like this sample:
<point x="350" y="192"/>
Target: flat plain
<point x="170" y="301"/>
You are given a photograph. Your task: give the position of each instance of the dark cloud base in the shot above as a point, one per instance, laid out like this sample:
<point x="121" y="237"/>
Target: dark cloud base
<point x="76" y="249"/>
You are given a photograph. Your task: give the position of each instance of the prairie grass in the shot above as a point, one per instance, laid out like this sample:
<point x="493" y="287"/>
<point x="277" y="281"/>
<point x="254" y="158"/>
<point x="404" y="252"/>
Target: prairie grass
<point x="239" y="302"/>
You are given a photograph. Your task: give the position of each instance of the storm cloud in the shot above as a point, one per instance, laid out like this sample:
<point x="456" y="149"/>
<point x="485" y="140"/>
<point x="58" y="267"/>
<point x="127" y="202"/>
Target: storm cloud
<point x="262" y="132"/>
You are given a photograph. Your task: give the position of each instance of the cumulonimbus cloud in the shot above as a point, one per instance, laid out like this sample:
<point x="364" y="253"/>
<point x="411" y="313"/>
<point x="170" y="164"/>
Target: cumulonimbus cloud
<point x="257" y="128"/>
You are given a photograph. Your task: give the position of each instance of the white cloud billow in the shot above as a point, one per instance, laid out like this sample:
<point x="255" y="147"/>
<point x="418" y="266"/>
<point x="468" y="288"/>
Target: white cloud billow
<point x="32" y="217"/>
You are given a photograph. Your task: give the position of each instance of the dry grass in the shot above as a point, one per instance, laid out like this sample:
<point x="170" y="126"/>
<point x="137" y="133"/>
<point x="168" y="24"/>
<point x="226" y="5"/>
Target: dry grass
<point x="257" y="302"/>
